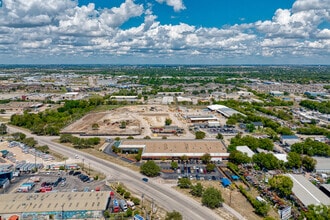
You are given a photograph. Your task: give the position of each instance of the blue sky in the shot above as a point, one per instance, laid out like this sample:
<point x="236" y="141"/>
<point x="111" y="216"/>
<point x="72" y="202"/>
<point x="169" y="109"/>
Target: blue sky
<point x="206" y="13"/>
<point x="165" y="31"/>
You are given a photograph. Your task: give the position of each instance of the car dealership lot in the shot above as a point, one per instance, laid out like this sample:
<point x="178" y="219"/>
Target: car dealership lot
<point x="58" y="182"/>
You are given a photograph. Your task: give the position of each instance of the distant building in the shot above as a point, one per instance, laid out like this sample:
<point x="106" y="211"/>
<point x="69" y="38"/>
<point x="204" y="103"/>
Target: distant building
<point x="183" y="99"/>
<point x="70" y="95"/>
<point x="282" y="157"/>
<point x="246" y="150"/>
<point x="322" y="164"/>
<point x="258" y="124"/>
<point x="130" y="99"/>
<point x="224" y="110"/>
<point x="315" y="94"/>
<point x="167" y="100"/>
<point x="201" y="118"/>
<point x="289" y="139"/>
<point x="244" y="93"/>
<point x="276" y="93"/>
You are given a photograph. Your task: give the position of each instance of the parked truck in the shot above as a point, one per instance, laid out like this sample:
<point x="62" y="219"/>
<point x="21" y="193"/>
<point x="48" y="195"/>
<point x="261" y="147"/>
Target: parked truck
<point x="131" y="205"/>
<point x="115" y="206"/>
<point x="123" y="205"/>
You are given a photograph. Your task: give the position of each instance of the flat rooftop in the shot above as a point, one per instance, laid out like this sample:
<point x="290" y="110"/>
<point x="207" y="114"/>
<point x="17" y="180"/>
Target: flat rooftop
<point x="179" y="147"/>
<point x="323" y="164"/>
<point x="53" y="201"/>
<point x="306" y="192"/>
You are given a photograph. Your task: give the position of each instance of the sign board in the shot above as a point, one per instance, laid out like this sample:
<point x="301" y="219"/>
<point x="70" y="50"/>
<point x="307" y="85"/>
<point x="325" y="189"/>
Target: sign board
<point x="285" y="213"/>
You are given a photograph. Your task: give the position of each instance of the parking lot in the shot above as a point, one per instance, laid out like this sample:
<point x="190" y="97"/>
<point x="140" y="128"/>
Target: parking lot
<point x="192" y="171"/>
<point x="58" y="182"/>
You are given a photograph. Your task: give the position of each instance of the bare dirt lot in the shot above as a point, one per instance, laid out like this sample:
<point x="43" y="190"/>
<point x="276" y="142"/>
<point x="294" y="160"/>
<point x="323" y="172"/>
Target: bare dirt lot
<point x="126" y="121"/>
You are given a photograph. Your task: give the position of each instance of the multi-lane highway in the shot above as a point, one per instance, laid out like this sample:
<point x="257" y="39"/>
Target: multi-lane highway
<point x="162" y="194"/>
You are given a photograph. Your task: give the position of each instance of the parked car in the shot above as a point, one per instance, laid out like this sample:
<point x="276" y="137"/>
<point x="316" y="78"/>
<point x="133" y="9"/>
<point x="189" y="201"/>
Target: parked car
<point x="145" y="179"/>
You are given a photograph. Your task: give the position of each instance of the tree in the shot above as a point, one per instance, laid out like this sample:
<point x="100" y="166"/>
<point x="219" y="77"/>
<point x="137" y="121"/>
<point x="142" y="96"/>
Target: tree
<point x="135" y="200"/>
<point x="168" y="121"/>
<point x="138" y="157"/>
<point x="150" y="168"/>
<point x="3" y="129"/>
<point x="184" y="183"/>
<point x="95" y="126"/>
<point x="197" y="190"/>
<point x="30" y="142"/>
<point x="199" y="135"/>
<point x="18" y="136"/>
<point x="219" y="136"/>
<point x="2" y="111"/>
<point x="238" y="157"/>
<point x="123" y="124"/>
<point x="268" y="161"/>
<point x="66" y="138"/>
<point x="115" y="149"/>
<point x="129" y="213"/>
<point x="321" y="212"/>
<point x="44" y="149"/>
<point x="206" y="158"/>
<point x="284" y="131"/>
<point x="127" y="195"/>
<point x="174" y="215"/>
<point x="282" y="184"/>
<point x="309" y="163"/>
<point x="261" y="208"/>
<point x="184" y="157"/>
<point x="294" y="160"/>
<point x="174" y="165"/>
<point x="212" y="198"/>
<point x="269" y="218"/>
<point x="250" y="127"/>
<point x="210" y="167"/>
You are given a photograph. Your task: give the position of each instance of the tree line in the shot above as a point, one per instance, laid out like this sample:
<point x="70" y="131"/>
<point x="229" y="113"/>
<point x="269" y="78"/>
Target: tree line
<point x="51" y="121"/>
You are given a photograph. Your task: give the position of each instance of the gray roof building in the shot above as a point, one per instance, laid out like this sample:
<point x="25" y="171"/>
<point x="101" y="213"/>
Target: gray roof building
<point x="306" y="192"/>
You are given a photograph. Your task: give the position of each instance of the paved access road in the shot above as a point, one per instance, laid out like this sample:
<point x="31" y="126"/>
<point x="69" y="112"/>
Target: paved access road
<point x="162" y="194"/>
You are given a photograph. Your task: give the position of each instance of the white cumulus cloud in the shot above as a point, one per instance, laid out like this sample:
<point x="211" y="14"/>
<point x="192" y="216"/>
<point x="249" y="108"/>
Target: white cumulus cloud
<point x="176" y="4"/>
<point x="63" y="31"/>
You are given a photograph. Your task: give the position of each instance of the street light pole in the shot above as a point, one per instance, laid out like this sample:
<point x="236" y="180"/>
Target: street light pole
<point x="83" y="164"/>
<point x="62" y="214"/>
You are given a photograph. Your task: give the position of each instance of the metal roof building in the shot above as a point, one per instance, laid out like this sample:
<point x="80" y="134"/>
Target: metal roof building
<point x="158" y="149"/>
<point x="306" y="192"/>
<point x="322" y="165"/>
<point x="60" y="205"/>
<point x="245" y="150"/>
<point x="224" y="110"/>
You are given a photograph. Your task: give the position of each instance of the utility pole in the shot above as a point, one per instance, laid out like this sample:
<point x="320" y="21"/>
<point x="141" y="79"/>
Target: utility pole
<point x="35" y="160"/>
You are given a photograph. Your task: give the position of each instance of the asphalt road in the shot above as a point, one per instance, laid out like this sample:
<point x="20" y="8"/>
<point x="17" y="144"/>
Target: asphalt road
<point x="163" y="195"/>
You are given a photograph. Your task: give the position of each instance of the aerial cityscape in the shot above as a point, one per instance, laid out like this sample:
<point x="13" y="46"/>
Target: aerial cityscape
<point x="164" y="109"/>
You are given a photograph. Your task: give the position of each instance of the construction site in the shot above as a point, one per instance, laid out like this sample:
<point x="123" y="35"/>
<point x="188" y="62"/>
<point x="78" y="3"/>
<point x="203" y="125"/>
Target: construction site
<point x="129" y="121"/>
